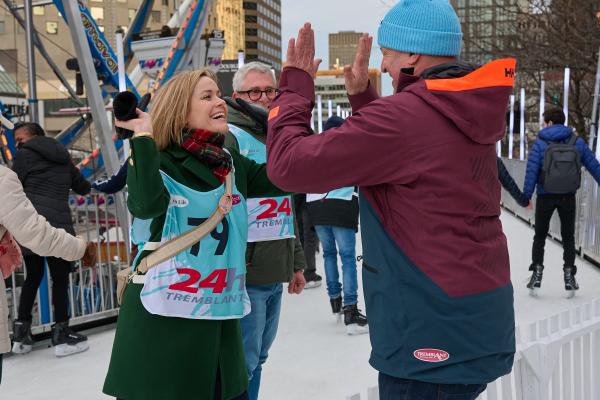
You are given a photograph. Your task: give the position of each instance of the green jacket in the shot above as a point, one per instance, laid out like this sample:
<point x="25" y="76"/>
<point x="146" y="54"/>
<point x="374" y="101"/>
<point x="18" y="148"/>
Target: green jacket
<point x="272" y="261"/>
<point x="183" y="350"/>
<point x="149" y="199"/>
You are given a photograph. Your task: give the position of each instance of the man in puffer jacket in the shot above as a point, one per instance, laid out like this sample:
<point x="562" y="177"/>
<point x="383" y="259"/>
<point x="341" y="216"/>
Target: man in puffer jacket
<point x="19" y="218"/>
<point x="47" y="173"/>
<point x="554" y="132"/>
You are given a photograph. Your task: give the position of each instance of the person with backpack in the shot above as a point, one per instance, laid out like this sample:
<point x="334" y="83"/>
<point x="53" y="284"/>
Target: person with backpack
<point x="554" y="169"/>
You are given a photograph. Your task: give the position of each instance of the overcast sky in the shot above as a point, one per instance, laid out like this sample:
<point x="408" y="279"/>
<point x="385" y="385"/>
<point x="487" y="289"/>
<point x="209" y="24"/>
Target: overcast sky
<point x="329" y="16"/>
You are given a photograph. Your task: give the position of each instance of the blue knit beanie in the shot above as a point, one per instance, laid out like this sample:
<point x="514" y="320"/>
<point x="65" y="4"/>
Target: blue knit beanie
<point x="429" y="27"/>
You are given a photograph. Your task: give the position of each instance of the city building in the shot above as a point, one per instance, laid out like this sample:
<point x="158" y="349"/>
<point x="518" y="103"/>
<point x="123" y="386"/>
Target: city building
<point x="330" y="85"/>
<point x="228" y="16"/>
<point x="342" y="48"/>
<point x="252" y="26"/>
<point x="263" y="31"/>
<point x="489" y="27"/>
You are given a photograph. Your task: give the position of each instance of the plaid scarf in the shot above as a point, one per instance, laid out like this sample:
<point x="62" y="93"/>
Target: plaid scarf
<point x="207" y="147"/>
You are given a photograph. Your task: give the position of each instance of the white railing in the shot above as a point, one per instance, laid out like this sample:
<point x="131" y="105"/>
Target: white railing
<point x="91" y="288"/>
<point x="557" y="358"/>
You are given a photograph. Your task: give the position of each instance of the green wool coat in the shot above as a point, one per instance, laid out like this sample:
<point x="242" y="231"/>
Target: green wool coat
<point x="168" y="358"/>
<point x="272" y="261"/>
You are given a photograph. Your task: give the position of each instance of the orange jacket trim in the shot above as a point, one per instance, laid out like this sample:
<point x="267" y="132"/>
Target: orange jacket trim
<point x="497" y="73"/>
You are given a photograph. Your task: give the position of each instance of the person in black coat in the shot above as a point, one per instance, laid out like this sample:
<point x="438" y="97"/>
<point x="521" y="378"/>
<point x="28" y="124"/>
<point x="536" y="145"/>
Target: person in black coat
<point x="47" y="173"/>
<point x="115" y="183"/>
<point x="509" y="184"/>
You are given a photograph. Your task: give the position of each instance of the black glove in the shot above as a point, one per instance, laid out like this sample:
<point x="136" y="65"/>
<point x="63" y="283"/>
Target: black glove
<point x="124" y="106"/>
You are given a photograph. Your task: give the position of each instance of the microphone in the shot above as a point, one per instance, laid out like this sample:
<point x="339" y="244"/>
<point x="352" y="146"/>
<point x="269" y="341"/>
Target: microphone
<point x="124" y="106"/>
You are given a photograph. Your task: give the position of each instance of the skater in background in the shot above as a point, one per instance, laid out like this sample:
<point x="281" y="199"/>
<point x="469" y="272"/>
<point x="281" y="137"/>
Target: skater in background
<point x="554" y="171"/>
<point x="335" y="219"/>
<point x="47" y="173"/>
<point x="21" y="224"/>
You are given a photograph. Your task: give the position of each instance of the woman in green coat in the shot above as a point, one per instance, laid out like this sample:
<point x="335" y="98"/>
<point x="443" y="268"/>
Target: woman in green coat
<point x="178" y="334"/>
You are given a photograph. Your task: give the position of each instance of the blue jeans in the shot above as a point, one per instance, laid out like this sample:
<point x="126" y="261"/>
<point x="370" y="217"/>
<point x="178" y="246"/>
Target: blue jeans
<point x="346" y="242"/>
<point x="392" y="388"/>
<point x="259" y="329"/>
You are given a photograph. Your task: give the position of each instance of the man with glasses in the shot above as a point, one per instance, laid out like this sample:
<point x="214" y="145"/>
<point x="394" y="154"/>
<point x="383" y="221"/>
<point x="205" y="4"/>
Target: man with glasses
<point x="274" y="254"/>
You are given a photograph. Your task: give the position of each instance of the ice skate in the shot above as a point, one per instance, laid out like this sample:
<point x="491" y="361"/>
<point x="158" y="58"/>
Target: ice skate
<point x="570" y="282"/>
<point x="356" y="323"/>
<point x="313" y="280"/>
<point x="22" y="339"/>
<point x="336" y="307"/>
<point x="67" y="342"/>
<point x="535" y="282"/>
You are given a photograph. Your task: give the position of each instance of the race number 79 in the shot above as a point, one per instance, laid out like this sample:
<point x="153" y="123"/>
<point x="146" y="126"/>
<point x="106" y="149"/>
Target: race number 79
<point x="222" y="237"/>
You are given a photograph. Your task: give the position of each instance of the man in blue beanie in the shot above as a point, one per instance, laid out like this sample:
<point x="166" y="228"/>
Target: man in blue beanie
<point x="436" y="272"/>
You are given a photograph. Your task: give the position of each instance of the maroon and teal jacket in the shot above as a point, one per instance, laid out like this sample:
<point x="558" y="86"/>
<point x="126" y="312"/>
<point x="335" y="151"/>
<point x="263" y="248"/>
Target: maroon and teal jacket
<point x="436" y="270"/>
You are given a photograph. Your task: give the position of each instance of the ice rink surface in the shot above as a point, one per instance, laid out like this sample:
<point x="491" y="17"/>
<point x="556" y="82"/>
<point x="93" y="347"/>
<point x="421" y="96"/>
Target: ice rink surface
<point x="312" y="357"/>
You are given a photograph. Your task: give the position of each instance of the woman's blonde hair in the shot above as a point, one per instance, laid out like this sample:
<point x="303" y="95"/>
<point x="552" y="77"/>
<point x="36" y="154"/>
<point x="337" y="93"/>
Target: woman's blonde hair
<point x="171" y="106"/>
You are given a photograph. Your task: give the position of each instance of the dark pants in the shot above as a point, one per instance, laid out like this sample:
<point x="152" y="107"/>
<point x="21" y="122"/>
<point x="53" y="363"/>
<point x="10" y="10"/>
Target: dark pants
<point x="544" y="208"/>
<point x="391" y="388"/>
<point x="59" y="271"/>
<point x="308" y="239"/>
<point x="0" y="368"/>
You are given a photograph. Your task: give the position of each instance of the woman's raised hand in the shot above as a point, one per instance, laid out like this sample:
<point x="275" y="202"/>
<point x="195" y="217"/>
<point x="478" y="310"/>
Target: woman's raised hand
<point x="143" y="123"/>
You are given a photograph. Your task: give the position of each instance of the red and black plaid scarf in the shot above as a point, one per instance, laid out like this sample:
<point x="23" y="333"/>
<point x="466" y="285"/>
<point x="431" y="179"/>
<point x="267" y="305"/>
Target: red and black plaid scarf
<point x="207" y="147"/>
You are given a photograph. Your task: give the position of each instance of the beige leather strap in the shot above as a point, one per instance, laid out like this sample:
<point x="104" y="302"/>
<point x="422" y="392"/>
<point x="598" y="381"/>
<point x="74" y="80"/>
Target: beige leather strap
<point x="172" y="247"/>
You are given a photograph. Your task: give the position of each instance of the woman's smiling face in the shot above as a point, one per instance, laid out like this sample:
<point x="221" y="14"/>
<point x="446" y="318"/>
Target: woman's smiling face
<point x="207" y="110"/>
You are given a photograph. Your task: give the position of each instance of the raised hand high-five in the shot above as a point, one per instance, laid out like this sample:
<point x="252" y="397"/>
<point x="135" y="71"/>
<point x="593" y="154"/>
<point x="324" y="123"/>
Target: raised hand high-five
<point x="301" y="51"/>
<point x="357" y="75"/>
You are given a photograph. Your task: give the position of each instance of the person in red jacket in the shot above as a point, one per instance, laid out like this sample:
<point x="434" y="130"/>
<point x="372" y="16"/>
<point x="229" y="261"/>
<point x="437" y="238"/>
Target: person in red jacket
<point x="436" y="272"/>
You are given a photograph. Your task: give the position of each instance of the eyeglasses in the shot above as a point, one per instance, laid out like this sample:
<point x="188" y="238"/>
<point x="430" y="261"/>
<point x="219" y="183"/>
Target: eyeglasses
<point x="256" y="94"/>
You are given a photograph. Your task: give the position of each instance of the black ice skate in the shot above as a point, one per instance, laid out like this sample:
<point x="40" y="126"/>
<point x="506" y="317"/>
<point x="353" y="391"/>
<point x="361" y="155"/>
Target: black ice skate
<point x="66" y="341"/>
<point x="535" y="282"/>
<point x="313" y="280"/>
<point x="336" y="307"/>
<point x="356" y="323"/>
<point x="22" y="339"/>
<point x="570" y="283"/>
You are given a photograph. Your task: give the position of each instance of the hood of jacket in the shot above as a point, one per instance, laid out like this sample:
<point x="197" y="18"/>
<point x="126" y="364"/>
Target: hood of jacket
<point x="241" y="120"/>
<point x="453" y="88"/>
<point x="556" y="133"/>
<point x="48" y="148"/>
